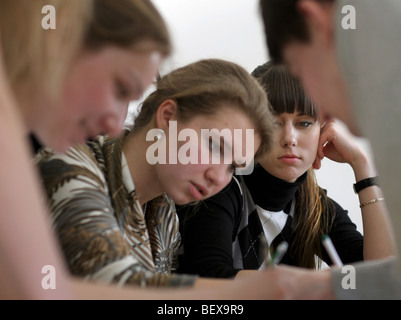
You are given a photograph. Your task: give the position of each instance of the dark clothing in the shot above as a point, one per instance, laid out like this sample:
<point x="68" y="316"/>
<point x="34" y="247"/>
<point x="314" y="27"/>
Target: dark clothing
<point x="222" y="234"/>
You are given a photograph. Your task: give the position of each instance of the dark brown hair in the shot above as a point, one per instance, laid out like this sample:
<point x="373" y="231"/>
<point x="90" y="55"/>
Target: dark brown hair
<point x="283" y="22"/>
<point x="284" y="92"/>
<point x="313" y="214"/>
<point x="124" y="23"/>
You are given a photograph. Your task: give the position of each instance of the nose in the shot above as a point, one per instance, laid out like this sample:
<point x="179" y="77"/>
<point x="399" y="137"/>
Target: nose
<point x="112" y="122"/>
<point x="289" y="138"/>
<point x="112" y="126"/>
<point x="218" y="175"/>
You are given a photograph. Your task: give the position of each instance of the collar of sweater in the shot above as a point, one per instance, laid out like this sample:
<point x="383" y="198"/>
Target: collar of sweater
<point x="270" y="192"/>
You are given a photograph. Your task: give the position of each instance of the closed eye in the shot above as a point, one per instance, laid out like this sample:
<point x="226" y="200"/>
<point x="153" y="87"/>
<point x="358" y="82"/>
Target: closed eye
<point x="122" y="90"/>
<point x="213" y="145"/>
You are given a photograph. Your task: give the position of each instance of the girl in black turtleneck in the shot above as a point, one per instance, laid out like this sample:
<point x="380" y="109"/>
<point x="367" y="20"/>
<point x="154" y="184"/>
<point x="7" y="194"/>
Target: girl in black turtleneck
<point x="281" y="200"/>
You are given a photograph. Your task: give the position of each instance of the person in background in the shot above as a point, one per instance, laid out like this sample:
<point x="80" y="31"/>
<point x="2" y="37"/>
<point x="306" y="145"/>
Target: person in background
<point x="354" y="74"/>
<point x="281" y="200"/>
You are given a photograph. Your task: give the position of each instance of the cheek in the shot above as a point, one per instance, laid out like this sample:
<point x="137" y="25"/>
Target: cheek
<point x="97" y="96"/>
<point x="89" y="93"/>
<point x="275" y="149"/>
<point x="311" y="146"/>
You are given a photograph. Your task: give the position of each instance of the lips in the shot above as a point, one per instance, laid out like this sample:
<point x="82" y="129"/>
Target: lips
<point x="289" y="158"/>
<point x="198" y="191"/>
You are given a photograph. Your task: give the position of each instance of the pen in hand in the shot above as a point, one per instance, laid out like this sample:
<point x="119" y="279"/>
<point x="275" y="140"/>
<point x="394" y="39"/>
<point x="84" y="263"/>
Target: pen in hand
<point x="278" y="254"/>
<point x="328" y="244"/>
<point x="264" y="252"/>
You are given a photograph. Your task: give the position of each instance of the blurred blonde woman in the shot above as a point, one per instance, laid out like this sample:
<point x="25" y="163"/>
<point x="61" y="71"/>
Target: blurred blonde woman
<point x="63" y="85"/>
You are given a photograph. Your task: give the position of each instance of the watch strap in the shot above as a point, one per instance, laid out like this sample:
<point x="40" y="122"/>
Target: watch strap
<point x="368" y="182"/>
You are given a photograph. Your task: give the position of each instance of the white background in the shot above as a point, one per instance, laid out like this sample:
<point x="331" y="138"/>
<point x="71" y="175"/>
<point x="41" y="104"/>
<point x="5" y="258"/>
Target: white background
<point x="233" y="30"/>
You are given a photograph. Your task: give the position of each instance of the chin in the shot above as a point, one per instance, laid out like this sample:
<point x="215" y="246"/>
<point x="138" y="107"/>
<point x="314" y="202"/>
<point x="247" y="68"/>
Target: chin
<point x="180" y="199"/>
<point x="291" y="178"/>
<point x="59" y="146"/>
<point x="180" y="202"/>
<point x="52" y="143"/>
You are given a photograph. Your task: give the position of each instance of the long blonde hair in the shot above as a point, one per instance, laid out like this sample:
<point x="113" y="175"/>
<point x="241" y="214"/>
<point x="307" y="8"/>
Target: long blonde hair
<point x="315" y="217"/>
<point x="37" y="59"/>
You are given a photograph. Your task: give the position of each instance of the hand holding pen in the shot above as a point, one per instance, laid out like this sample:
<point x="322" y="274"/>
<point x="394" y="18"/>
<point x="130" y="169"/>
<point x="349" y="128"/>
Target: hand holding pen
<point x="278" y="255"/>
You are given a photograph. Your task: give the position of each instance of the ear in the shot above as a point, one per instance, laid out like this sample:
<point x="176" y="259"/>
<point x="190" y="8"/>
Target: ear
<point x="319" y="17"/>
<point x="166" y="112"/>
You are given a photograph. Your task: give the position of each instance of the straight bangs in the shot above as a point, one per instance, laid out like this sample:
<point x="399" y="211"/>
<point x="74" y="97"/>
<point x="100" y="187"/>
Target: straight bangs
<point x="284" y="92"/>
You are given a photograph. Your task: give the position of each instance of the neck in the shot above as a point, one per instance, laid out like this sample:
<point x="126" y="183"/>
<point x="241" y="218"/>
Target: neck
<point x="143" y="174"/>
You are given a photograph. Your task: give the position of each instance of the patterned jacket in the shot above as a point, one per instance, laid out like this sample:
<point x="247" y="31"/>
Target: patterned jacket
<point x="104" y="232"/>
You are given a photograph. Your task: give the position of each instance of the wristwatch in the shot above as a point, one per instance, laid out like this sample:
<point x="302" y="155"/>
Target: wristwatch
<point x="368" y="182"/>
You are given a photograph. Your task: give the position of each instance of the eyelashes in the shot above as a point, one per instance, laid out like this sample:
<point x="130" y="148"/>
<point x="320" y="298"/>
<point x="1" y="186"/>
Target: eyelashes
<point x="122" y="90"/>
<point x="213" y="146"/>
<point x="305" y="124"/>
<point x="125" y="90"/>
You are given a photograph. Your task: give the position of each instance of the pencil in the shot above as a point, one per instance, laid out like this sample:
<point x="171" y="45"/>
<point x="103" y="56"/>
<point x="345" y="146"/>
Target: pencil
<point x="278" y="254"/>
<point x="328" y="244"/>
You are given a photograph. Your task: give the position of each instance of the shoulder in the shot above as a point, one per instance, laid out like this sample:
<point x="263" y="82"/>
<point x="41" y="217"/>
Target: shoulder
<point x="84" y="156"/>
<point x="228" y="202"/>
<point x="78" y="166"/>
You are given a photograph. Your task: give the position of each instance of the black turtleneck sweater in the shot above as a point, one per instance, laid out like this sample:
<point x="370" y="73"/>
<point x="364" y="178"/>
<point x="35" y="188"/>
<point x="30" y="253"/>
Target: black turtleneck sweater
<point x="269" y="192"/>
<point x="212" y="230"/>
